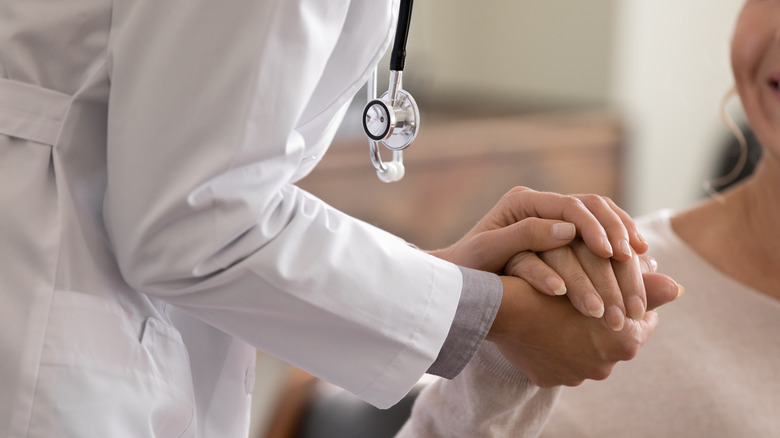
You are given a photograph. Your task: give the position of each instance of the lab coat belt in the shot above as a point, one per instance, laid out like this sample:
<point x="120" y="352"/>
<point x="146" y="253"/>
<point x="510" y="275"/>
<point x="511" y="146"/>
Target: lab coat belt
<point x="31" y="112"/>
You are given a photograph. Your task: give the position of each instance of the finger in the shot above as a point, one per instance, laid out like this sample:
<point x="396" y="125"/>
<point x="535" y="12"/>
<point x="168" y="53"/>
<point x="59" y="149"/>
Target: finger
<point x="579" y="288"/>
<point x="649" y="323"/>
<point x="613" y="224"/>
<point x="647" y="264"/>
<point x="530" y="234"/>
<point x="635" y="236"/>
<point x="602" y="276"/>
<point x="627" y="343"/>
<point x="528" y="266"/>
<point x="661" y="290"/>
<point x="536" y="234"/>
<point x="522" y="202"/>
<point x="629" y="278"/>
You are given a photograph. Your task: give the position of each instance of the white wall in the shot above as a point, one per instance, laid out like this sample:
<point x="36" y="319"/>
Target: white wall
<point x="537" y="51"/>
<point x="671" y="69"/>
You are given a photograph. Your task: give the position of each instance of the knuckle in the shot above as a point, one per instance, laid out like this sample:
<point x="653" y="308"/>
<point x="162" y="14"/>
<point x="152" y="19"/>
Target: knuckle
<point x="576" y="201"/>
<point x="518" y="260"/>
<point x="520" y="189"/>
<point x="579" y="279"/>
<point x="514" y="196"/>
<point x="517" y="191"/>
<point x="535" y="267"/>
<point x="628" y="349"/>
<point x="572" y="203"/>
<point x="518" y="264"/>
<point x="601" y="373"/>
<point x="592" y="201"/>
<point x="528" y="232"/>
<point x="586" y="198"/>
<point x="524" y="228"/>
<point x="629" y="353"/>
<point x="574" y="379"/>
<point x="631" y="350"/>
<point x="523" y="257"/>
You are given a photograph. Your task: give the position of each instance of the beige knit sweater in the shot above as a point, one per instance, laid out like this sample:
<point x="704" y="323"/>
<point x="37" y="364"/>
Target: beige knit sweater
<point x="489" y="398"/>
<point x="711" y="369"/>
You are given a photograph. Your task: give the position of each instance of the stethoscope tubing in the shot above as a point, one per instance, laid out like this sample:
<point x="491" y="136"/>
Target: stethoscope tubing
<point x="398" y="55"/>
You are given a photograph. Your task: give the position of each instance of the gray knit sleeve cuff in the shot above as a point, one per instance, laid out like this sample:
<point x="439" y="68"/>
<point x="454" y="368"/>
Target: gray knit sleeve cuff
<point x="480" y="299"/>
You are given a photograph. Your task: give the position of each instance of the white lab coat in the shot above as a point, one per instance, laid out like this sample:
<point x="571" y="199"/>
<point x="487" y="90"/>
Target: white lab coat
<point x="150" y="231"/>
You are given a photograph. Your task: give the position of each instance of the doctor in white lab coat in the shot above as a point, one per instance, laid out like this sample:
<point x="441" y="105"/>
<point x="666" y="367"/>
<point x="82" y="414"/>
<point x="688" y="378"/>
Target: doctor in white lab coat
<point x="151" y="236"/>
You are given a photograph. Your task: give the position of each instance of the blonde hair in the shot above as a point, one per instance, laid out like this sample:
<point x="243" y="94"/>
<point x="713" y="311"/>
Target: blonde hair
<point x="712" y="186"/>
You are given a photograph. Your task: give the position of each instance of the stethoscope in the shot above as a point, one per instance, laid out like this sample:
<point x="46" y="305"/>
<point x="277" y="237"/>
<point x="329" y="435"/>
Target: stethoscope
<point x="393" y="119"/>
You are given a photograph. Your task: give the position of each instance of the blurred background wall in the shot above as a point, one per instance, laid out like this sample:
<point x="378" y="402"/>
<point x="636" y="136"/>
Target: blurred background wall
<point x="527" y="54"/>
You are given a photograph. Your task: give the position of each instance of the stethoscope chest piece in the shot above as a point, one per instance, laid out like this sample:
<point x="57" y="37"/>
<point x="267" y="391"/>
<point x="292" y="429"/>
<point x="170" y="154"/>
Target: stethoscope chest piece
<point x="394" y="124"/>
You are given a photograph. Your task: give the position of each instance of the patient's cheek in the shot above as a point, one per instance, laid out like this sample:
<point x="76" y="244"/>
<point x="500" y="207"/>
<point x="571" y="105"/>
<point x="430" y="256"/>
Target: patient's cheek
<point x="753" y="35"/>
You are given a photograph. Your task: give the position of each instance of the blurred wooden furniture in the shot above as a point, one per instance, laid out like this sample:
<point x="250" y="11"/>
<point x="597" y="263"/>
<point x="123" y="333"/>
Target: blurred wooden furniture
<point x="312" y="408"/>
<point x="457" y="170"/>
<point x="298" y="389"/>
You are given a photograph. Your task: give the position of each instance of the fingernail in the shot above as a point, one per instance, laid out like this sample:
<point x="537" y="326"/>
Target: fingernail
<point x="625" y="248"/>
<point x="641" y="237"/>
<point x="594" y="306"/>
<point x="564" y="231"/>
<point x="635" y="308"/>
<point x="650" y="264"/>
<point x="556" y="285"/>
<point x="615" y="318"/>
<point x="606" y="245"/>
<point x="680" y="291"/>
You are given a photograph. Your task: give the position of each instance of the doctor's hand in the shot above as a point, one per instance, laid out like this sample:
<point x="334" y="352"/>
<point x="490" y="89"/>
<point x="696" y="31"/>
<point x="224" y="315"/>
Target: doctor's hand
<point x="553" y="344"/>
<point x="527" y="220"/>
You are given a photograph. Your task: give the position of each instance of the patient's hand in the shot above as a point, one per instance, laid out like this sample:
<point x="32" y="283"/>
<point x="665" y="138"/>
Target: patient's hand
<point x="553" y="344"/>
<point x="595" y="285"/>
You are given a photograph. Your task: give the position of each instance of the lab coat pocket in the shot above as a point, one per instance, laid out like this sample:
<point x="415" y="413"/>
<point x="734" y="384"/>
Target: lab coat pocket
<point x="169" y="364"/>
<point x="98" y="378"/>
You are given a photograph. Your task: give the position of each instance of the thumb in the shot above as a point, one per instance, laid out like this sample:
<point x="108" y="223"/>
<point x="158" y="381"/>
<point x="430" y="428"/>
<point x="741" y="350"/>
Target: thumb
<point x="660" y="290"/>
<point x="531" y="234"/>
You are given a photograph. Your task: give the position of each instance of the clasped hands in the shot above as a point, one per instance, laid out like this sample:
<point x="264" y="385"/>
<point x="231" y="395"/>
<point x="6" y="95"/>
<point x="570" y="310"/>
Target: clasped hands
<point x="583" y="253"/>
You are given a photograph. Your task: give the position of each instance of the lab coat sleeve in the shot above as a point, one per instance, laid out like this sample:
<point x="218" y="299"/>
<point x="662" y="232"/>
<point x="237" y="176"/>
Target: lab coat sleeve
<point x="211" y="113"/>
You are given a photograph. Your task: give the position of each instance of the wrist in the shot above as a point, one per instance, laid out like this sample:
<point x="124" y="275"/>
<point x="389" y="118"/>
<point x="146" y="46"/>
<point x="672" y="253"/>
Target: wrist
<point x="506" y="322"/>
<point x="436" y="253"/>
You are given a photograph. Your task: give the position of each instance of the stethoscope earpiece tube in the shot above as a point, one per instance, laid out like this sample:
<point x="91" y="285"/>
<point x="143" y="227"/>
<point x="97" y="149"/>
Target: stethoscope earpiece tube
<point x="393" y="119"/>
